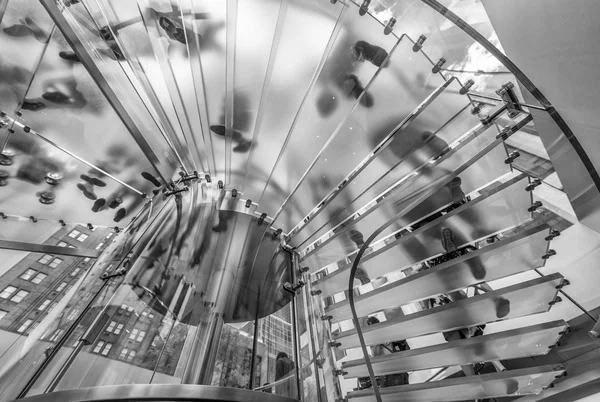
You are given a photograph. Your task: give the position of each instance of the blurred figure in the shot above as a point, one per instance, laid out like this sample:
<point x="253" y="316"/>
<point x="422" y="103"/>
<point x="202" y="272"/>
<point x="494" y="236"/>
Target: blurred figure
<point x="310" y="386"/>
<point x="267" y="390"/>
<point x="283" y="367"/>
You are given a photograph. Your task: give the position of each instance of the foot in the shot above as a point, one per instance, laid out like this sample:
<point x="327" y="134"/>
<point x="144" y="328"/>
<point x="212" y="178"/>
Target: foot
<point x="32" y="105"/>
<point x="120" y="215"/>
<point x="37" y="32"/>
<point x="477" y="269"/>
<point x="173" y="29"/>
<point x="243" y="146"/>
<point x="151" y="178"/>
<point x="326" y="104"/>
<point x="502" y="307"/>
<point x="17" y="30"/>
<point x="115" y="203"/>
<point x="87" y="190"/>
<point x="93" y="180"/>
<point x="362" y="276"/>
<point x="69" y="56"/>
<point x="219" y="129"/>
<point x="357" y="237"/>
<point x="367" y="100"/>
<point x="448" y="240"/>
<point x="365" y="51"/>
<point x="456" y="193"/>
<point x="57" y="97"/>
<point x="99" y="203"/>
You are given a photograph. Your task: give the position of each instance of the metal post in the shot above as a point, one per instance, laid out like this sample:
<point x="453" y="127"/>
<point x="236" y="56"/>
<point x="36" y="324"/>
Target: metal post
<point x="296" y="340"/>
<point x="313" y="333"/>
<point x="251" y="384"/>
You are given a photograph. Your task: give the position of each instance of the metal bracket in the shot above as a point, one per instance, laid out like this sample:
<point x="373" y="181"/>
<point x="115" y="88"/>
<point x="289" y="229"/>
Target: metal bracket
<point x="120" y="272"/>
<point x="507" y="93"/>
<point x="534" y="183"/>
<point x="338" y="372"/>
<point x="316" y="292"/>
<point x="549" y="254"/>
<point x="438" y="66"/>
<point x="535" y="206"/>
<point x="293" y="288"/>
<point x="173" y="189"/>
<point x="564" y="283"/>
<point x="189" y="177"/>
<point x="553" y="233"/>
<point x="557" y="299"/>
<point x="419" y="43"/>
<point x="389" y="26"/>
<point x="364" y="7"/>
<point x="334" y="344"/>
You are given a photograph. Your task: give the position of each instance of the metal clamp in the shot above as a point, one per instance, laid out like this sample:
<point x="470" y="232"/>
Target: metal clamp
<point x="334" y="344"/>
<point x="534" y="183"/>
<point x="338" y="372"/>
<point x="419" y="43"/>
<point x="389" y="26"/>
<point x="316" y="292"/>
<point x="549" y="254"/>
<point x="173" y="189"/>
<point x="189" y="177"/>
<point x="293" y="288"/>
<point x="364" y="7"/>
<point x="564" y="283"/>
<point x="553" y="233"/>
<point x="120" y="272"/>
<point x="438" y="66"/>
<point x="557" y="299"/>
<point x="326" y="317"/>
<point x="465" y="88"/>
<point x="535" y="206"/>
<point x="512" y="156"/>
<point x="508" y="95"/>
<point x="276" y="234"/>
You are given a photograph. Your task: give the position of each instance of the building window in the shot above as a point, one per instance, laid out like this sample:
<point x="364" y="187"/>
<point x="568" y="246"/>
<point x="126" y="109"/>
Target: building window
<point x="74" y="234"/>
<point x="125" y="309"/>
<point x="27" y="275"/>
<point x="61" y="287"/>
<point x="55" y="262"/>
<point x="45" y="304"/>
<point x="3" y="314"/>
<point x="82" y="237"/>
<point x="137" y="335"/>
<point x="86" y="259"/>
<point x="8" y="292"/>
<point x="114" y="328"/>
<point x="102" y="348"/>
<point x="110" y="235"/>
<point x="99" y="246"/>
<point x="19" y="296"/>
<point x="39" y="277"/>
<point x="131" y="355"/>
<point x="52" y="306"/>
<point x="45" y="259"/>
<point x="127" y="354"/>
<point x="25" y="325"/>
<point x="62" y="244"/>
<point x="75" y="271"/>
<point x="55" y="335"/>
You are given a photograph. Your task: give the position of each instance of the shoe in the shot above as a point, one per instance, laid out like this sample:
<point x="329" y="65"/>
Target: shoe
<point x="356" y="237"/>
<point x="100" y="202"/>
<point x="115" y="203"/>
<point x="150" y="177"/>
<point x="93" y="180"/>
<point x="87" y="190"/>
<point x="120" y="215"/>
<point x="502" y="307"/>
<point x="448" y="240"/>
<point x="17" y="30"/>
<point x="243" y="146"/>
<point x="219" y="129"/>
<point x="362" y="276"/>
<point x="173" y="29"/>
<point x="371" y="53"/>
<point x="326" y="104"/>
<point x="36" y="31"/>
<point x="477" y="270"/>
<point x="32" y="105"/>
<point x="512" y="386"/>
<point x="367" y="100"/>
<point x="57" y="97"/>
<point x="69" y="56"/>
<point x="456" y="192"/>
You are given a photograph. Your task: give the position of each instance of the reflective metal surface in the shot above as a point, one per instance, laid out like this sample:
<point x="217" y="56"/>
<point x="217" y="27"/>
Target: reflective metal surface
<point x="508" y="383"/>
<point x="512" y="255"/>
<point x="159" y="392"/>
<point x="530" y="297"/>
<point x="522" y="342"/>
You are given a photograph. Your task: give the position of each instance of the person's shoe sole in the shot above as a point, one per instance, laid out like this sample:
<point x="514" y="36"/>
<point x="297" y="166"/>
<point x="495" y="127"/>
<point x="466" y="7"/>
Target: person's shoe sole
<point x="502" y="307"/>
<point x="98" y="204"/>
<point x="89" y="194"/>
<point x="69" y="56"/>
<point x="93" y="180"/>
<point x="33" y="106"/>
<point x="120" y="215"/>
<point x="151" y="178"/>
<point x="448" y="240"/>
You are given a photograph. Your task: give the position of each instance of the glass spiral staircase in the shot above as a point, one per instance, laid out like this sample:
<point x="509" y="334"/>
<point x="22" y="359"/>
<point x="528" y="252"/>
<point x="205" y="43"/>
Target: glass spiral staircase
<point x="261" y="176"/>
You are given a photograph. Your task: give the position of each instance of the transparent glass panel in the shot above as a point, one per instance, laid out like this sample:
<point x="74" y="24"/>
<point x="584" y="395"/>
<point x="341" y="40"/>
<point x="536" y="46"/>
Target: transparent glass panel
<point x="442" y="122"/>
<point x="343" y="87"/>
